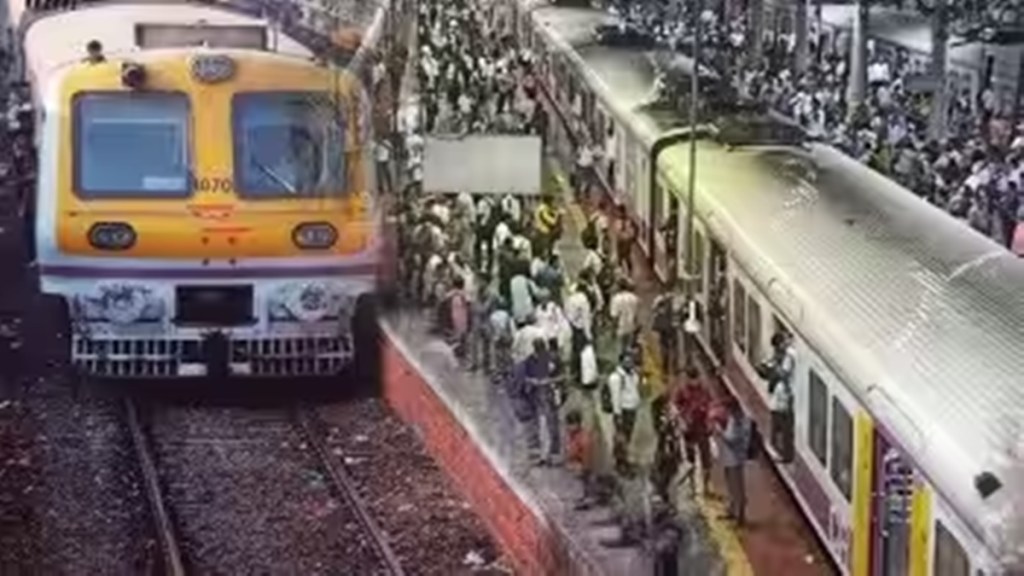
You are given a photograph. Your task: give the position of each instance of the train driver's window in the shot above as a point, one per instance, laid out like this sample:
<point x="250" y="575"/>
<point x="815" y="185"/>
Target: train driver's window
<point x="841" y="462"/>
<point x="950" y="557"/>
<point x="817" y="417"/>
<point x="131" y="144"/>
<point x="288" y="144"/>
<point x="739" y="302"/>
<point x="753" y="331"/>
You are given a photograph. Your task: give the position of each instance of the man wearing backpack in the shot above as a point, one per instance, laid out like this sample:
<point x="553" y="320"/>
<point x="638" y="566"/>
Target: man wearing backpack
<point x="733" y="438"/>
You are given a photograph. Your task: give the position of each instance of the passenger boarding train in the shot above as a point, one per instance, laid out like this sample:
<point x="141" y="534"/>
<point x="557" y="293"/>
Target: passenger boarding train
<point x="205" y="203"/>
<point x="910" y="375"/>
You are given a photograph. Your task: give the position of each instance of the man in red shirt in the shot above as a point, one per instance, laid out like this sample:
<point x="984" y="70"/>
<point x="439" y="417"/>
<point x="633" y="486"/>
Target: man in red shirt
<point x="693" y="404"/>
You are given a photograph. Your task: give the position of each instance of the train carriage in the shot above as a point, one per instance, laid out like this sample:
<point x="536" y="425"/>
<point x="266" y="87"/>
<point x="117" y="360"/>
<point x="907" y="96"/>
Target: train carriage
<point x="908" y="388"/>
<point x="205" y="201"/>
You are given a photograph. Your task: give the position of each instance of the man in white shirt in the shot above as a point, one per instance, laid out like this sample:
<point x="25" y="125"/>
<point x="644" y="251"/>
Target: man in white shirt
<point x="512" y="208"/>
<point x="584" y="170"/>
<point x="624" y="388"/>
<point x="523" y="341"/>
<point x="623" y="309"/>
<point x="580" y="318"/>
<point x="382" y="156"/>
<point x="552" y="320"/>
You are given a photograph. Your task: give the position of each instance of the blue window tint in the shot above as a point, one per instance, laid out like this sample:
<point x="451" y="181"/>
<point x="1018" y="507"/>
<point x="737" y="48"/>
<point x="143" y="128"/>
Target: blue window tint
<point x="132" y="144"/>
<point x="288" y="144"/>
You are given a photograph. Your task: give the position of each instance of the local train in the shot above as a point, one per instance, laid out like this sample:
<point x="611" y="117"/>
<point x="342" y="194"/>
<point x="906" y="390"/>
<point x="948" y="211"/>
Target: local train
<point x="909" y="387"/>
<point x="205" y="204"/>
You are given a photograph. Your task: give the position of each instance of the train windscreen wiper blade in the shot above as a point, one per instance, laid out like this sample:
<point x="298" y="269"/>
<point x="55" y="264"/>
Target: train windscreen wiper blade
<point x="280" y="180"/>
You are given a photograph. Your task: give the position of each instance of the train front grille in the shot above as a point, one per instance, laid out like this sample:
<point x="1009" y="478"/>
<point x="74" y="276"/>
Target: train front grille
<point x="157" y="358"/>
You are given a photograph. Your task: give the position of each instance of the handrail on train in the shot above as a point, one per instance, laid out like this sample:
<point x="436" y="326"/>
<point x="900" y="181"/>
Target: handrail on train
<point x="286" y="15"/>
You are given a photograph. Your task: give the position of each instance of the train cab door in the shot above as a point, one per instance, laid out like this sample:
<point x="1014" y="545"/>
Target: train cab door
<point x="718" y="298"/>
<point x="891" y="510"/>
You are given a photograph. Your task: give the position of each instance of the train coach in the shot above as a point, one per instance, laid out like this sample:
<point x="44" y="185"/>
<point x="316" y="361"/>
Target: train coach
<point x="205" y="204"/>
<point x="908" y="391"/>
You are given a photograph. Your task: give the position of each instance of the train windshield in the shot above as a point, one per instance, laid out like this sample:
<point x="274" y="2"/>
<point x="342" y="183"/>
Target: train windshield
<point x="131" y="145"/>
<point x="288" y="144"/>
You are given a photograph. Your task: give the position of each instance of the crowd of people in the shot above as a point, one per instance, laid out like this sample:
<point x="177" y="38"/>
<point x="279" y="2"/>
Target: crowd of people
<point x="973" y="170"/>
<point x="18" y="162"/>
<point x="562" y="342"/>
<point x="471" y="76"/>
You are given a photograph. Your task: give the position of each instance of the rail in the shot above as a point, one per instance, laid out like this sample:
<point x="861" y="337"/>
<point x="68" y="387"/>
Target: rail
<point x="173" y="564"/>
<point x="346" y="488"/>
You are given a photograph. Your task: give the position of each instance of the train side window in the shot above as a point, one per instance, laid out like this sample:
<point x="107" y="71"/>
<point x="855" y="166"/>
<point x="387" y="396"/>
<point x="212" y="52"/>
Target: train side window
<point x="950" y="557"/>
<point x="841" y="462"/>
<point x="817" y="417"/>
<point x="753" y="331"/>
<point x="739" y="302"/>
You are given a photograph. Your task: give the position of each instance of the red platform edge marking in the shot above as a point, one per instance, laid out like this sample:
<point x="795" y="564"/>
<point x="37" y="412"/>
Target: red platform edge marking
<point x="528" y="541"/>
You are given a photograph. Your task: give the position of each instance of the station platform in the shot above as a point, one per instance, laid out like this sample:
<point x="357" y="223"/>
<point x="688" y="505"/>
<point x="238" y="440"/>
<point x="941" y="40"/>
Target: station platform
<point x="471" y="430"/>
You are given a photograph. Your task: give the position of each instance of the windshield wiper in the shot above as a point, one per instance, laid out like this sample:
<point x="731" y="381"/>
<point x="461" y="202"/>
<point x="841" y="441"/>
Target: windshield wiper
<point x="288" y="186"/>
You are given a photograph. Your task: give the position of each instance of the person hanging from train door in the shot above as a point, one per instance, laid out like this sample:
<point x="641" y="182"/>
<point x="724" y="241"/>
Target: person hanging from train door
<point x="778" y="372"/>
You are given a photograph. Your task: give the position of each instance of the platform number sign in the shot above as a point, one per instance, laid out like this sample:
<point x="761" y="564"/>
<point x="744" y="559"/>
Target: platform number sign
<point x="839" y="535"/>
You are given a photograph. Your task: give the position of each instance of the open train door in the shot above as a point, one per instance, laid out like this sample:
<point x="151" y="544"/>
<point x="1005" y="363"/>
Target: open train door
<point x="718" y="299"/>
<point x="893" y="490"/>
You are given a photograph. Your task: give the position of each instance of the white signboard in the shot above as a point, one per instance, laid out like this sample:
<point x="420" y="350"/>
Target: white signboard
<point x="483" y="164"/>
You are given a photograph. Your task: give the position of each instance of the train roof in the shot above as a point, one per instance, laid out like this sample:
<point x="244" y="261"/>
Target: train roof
<point x="623" y="77"/>
<point x="52" y="39"/>
<point x="921" y="315"/>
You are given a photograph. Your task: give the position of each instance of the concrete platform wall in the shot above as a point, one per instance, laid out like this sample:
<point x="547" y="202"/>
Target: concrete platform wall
<point x="531" y="542"/>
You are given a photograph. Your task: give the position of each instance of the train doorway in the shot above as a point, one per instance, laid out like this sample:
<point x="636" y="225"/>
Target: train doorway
<point x="718" y="298"/>
<point x="893" y="489"/>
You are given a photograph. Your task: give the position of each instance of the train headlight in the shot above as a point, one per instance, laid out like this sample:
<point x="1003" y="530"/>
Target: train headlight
<point x="307" y="302"/>
<point x="314" y="236"/>
<point x="112" y="236"/>
<point x="120" y="304"/>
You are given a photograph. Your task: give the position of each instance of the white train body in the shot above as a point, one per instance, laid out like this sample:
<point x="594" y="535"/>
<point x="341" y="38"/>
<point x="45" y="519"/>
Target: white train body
<point x="910" y="376"/>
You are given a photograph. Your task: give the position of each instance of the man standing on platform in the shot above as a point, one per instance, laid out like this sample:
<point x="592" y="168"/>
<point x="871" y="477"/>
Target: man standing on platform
<point x="733" y="440"/>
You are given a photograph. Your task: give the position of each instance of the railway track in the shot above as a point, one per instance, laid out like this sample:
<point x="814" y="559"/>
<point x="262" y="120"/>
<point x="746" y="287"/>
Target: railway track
<point x="218" y="503"/>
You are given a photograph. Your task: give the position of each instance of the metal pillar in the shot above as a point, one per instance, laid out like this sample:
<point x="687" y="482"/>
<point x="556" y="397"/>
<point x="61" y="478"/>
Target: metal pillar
<point x="937" y="70"/>
<point x="857" y="88"/>
<point x="802" y="45"/>
<point x="691" y="272"/>
<point x="755" y="32"/>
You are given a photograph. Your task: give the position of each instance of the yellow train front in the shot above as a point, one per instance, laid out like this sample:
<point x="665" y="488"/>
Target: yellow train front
<point x="204" y="201"/>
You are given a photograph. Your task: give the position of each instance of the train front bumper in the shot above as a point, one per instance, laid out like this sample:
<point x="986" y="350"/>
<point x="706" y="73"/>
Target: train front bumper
<point x="217" y="354"/>
<point x="263" y="328"/>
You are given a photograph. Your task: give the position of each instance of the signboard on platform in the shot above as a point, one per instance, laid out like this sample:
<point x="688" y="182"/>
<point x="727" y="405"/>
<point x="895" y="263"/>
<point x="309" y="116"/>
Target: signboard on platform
<point x="483" y="164"/>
